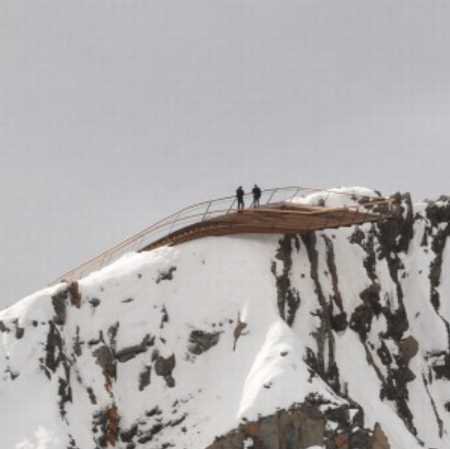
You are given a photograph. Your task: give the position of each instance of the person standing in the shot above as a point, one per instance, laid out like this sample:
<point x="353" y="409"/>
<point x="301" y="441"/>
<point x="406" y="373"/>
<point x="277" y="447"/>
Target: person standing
<point x="240" y="198"/>
<point x="256" y="195"/>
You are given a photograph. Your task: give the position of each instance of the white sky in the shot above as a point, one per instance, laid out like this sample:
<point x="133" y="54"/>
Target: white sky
<point x="114" y="113"/>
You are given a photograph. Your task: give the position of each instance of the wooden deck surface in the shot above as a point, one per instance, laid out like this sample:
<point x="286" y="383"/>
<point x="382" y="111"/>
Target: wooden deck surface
<point x="277" y="219"/>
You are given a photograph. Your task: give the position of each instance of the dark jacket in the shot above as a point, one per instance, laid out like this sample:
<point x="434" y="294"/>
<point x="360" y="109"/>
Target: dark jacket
<point x="256" y="192"/>
<point x="240" y="193"/>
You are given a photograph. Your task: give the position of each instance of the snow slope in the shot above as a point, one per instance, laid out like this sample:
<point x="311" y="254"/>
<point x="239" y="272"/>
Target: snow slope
<point x="178" y="346"/>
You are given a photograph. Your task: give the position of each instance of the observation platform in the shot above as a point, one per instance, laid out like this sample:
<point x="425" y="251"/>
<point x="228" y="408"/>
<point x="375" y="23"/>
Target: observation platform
<point x="283" y="210"/>
<point x="269" y="219"/>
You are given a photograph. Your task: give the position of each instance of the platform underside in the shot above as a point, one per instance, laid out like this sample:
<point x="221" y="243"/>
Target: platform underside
<point x="277" y="219"/>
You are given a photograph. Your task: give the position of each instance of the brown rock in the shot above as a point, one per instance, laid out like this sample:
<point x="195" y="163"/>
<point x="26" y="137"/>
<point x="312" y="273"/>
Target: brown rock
<point x="341" y="441"/>
<point x="112" y="429"/>
<point x="300" y="428"/>
<point x="409" y="347"/>
<point x="379" y="439"/>
<point x="74" y="293"/>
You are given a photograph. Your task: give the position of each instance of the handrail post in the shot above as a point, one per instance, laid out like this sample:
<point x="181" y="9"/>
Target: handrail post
<point x="231" y="206"/>
<point x="206" y="211"/>
<point x="106" y="259"/>
<point x="138" y="244"/>
<point x="172" y="224"/>
<point x="295" y="193"/>
<point x="271" y="195"/>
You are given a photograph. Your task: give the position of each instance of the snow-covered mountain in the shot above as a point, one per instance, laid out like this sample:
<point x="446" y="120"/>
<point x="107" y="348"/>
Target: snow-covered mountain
<point x="335" y="339"/>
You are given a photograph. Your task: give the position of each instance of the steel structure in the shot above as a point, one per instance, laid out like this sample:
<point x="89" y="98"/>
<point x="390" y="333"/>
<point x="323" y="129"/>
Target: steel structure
<point x="279" y="212"/>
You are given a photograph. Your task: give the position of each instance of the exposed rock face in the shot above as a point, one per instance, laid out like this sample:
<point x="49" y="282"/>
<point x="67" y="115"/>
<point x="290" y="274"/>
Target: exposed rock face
<point x="164" y="368"/>
<point x="286" y="342"/>
<point x="166" y="275"/>
<point x="130" y="352"/>
<point x="297" y="428"/>
<point x="408" y="347"/>
<point x="311" y="424"/>
<point x="201" y="341"/>
<point x="379" y="439"/>
<point x="288" y="298"/>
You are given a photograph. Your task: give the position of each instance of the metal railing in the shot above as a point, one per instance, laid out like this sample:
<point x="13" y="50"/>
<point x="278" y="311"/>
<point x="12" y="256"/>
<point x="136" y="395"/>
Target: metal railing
<point x="195" y="213"/>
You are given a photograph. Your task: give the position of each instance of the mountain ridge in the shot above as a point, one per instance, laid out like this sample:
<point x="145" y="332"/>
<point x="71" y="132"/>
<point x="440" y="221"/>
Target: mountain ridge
<point x="333" y="339"/>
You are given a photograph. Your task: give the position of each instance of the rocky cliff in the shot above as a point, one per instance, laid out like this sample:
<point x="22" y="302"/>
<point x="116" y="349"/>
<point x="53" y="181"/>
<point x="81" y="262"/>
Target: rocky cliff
<point x="335" y="339"/>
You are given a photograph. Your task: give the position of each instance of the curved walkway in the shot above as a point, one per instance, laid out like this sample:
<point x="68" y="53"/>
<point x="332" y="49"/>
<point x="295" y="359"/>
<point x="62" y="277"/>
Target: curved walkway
<point x="281" y="212"/>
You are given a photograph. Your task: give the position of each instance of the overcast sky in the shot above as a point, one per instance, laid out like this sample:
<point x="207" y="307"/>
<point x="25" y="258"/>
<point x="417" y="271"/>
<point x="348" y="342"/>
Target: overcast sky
<point x="114" y="113"/>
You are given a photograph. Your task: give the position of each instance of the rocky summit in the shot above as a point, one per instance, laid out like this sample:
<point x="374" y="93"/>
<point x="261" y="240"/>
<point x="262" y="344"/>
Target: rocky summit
<point x="338" y="339"/>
